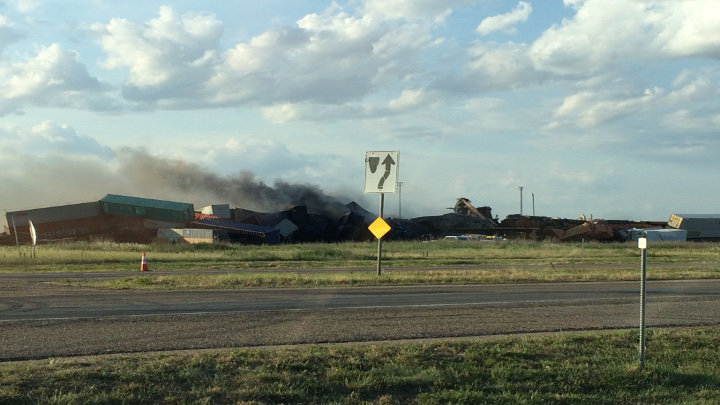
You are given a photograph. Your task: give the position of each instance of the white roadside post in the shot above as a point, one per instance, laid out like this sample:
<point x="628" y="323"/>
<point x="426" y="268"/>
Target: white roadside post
<point x="33" y="236"/>
<point x="642" y="244"/>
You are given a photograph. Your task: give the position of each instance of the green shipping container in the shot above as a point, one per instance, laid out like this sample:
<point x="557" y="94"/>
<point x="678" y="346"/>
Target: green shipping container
<point x="158" y="210"/>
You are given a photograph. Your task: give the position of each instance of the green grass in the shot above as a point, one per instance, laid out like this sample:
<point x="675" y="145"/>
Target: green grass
<point x="390" y="277"/>
<point x="105" y="256"/>
<point x="682" y="367"/>
<point x="354" y="263"/>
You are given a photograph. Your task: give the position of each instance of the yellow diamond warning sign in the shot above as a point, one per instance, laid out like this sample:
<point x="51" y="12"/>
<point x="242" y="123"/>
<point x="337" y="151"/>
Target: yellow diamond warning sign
<point x="379" y="228"/>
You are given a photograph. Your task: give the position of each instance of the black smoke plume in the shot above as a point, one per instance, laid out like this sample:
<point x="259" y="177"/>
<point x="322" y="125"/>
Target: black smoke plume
<point x="158" y="175"/>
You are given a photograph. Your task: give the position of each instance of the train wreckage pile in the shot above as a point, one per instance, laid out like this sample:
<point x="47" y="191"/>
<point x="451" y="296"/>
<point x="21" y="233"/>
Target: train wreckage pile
<point x="141" y="220"/>
<point x="535" y="227"/>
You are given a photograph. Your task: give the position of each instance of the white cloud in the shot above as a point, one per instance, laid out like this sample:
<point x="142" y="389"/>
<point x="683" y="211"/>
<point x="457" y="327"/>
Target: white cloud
<point x="588" y="109"/>
<point x="610" y="103"/>
<point x="282" y="113"/>
<point x="691" y="28"/>
<point x="692" y="104"/>
<point x="332" y="58"/>
<point x="50" y="137"/>
<point x="267" y="156"/>
<point x="688" y="121"/>
<point x="616" y="33"/>
<point x="26" y="6"/>
<point x="167" y="57"/>
<point x="498" y="66"/>
<point x="46" y="141"/>
<point x="598" y="36"/>
<point x="598" y="44"/>
<point x="55" y="77"/>
<point x="53" y="68"/>
<point x="496" y="117"/>
<point x="8" y="33"/>
<point x="329" y="58"/>
<point x="408" y="98"/>
<point x="701" y="88"/>
<point x="505" y="22"/>
<point x="413" y="9"/>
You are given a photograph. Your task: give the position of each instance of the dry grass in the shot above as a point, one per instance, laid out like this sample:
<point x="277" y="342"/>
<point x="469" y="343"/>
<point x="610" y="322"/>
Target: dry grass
<point x="340" y="278"/>
<point x="354" y="263"/>
<point x="104" y="256"/>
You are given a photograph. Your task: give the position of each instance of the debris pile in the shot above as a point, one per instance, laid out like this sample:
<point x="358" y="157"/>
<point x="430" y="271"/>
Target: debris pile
<point x="463" y="207"/>
<point x="142" y="220"/>
<point x="558" y="229"/>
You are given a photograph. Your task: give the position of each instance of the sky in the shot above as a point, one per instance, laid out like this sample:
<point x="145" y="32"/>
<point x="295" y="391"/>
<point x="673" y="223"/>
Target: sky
<point x="602" y="108"/>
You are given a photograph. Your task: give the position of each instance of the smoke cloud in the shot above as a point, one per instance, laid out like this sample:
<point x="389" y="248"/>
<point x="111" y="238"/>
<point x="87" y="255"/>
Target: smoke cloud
<point x="44" y="181"/>
<point x="156" y="175"/>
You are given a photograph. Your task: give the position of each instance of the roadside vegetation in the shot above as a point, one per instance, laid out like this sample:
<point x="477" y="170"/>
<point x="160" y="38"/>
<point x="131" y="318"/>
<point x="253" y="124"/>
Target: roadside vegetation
<point x="354" y="264"/>
<point x="682" y="367"/>
<point x="397" y="277"/>
<point x="682" y="364"/>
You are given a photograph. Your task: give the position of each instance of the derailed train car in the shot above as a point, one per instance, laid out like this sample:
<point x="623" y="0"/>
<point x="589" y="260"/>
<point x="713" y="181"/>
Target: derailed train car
<point x="116" y="218"/>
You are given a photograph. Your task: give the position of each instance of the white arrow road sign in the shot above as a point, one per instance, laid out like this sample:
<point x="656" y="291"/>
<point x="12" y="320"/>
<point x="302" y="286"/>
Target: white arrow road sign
<point x="381" y="171"/>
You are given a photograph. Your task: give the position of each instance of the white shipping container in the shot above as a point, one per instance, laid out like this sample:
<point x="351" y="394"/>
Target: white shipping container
<point x="209" y="234"/>
<point x="657" y="234"/>
<point x="170" y="234"/>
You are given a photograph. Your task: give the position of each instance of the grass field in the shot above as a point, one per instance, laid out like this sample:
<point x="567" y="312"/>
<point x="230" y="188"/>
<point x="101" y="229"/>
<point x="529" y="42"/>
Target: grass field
<point x="683" y="367"/>
<point x="105" y="256"/>
<point x="354" y="263"/>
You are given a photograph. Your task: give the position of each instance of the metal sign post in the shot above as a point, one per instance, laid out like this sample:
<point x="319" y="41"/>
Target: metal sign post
<point x="379" y="228"/>
<point x="381" y="181"/>
<point x="379" y="252"/>
<point x="642" y="244"/>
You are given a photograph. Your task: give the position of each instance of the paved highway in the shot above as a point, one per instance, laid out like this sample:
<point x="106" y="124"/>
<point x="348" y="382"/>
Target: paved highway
<point x="39" y="319"/>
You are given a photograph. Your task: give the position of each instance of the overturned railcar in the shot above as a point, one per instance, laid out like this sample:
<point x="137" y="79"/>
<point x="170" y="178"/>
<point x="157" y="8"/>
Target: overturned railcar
<point x="698" y="226"/>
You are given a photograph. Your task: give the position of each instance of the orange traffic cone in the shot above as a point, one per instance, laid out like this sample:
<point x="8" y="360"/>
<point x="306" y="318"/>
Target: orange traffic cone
<point x="143" y="263"/>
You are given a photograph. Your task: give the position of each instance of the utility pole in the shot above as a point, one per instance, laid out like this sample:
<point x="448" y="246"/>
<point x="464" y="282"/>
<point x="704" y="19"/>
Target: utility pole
<point x="533" y="201"/>
<point x="400" y="183"/>
<point x="520" y="188"/>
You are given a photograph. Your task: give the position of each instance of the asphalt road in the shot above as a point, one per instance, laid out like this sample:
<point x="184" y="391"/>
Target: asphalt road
<point x="39" y="319"/>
